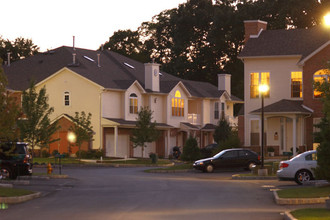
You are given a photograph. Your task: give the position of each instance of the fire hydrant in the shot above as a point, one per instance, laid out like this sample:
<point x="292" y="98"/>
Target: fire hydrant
<point x="49" y="169"/>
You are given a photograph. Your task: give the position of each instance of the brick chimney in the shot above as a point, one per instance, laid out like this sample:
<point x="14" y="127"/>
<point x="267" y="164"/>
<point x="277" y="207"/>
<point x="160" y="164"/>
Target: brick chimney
<point x="253" y="27"/>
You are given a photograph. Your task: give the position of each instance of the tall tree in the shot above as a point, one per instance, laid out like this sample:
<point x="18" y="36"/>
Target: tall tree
<point x="322" y="170"/>
<point x="36" y="128"/>
<point x="145" y="131"/>
<point x="19" y="48"/>
<point x="9" y="111"/>
<point x="82" y="129"/>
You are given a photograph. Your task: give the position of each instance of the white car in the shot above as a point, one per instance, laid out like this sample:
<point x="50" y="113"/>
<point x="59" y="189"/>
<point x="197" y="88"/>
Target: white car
<point x="299" y="168"/>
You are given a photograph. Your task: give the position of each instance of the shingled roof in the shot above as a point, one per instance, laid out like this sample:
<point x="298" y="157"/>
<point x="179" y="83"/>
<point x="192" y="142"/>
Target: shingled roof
<point x="115" y="71"/>
<point x="285" y="106"/>
<point x="299" y="42"/>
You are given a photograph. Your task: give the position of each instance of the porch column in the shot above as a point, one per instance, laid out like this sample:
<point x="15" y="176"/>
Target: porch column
<point x="115" y="140"/>
<point x="302" y="131"/>
<point x="294" y="135"/>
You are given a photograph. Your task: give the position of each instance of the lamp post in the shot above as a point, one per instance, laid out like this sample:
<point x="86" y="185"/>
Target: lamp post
<point x="263" y="88"/>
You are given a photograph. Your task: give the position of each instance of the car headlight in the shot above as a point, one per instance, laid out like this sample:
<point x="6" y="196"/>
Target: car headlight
<point x="200" y="163"/>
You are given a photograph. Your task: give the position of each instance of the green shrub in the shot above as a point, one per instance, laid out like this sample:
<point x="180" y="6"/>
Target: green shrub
<point x="191" y="151"/>
<point x="45" y="153"/>
<point x="54" y="152"/>
<point x="232" y="141"/>
<point x="90" y="154"/>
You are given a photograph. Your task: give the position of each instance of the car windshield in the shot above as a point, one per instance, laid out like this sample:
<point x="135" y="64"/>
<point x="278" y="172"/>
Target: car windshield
<point x="219" y="154"/>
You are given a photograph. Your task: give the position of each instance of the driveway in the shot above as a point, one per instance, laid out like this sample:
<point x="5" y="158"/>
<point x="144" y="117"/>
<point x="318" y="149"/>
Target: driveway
<point x="130" y="193"/>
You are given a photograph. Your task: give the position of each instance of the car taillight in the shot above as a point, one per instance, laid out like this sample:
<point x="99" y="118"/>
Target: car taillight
<point x="258" y="157"/>
<point x="283" y="165"/>
<point x="26" y="159"/>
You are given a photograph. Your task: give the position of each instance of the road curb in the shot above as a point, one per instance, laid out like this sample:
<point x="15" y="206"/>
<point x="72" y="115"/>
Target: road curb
<point x="19" y="199"/>
<point x="298" y="201"/>
<point x="288" y="216"/>
<point x="170" y="171"/>
<point x="238" y="177"/>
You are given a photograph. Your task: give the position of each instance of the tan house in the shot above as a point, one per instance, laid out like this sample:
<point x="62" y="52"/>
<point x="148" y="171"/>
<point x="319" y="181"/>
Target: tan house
<point x="113" y="88"/>
<point x="289" y="61"/>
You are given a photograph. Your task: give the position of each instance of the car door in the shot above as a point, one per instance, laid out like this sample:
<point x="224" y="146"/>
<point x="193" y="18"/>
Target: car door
<point x="311" y="161"/>
<point x="228" y="160"/>
<point x="243" y="158"/>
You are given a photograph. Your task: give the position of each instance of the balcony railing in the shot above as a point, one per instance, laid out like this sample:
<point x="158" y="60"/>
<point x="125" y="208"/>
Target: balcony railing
<point x="194" y="119"/>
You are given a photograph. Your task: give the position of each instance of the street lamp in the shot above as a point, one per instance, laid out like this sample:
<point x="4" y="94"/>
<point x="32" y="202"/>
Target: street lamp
<point x="327" y="19"/>
<point x="263" y="89"/>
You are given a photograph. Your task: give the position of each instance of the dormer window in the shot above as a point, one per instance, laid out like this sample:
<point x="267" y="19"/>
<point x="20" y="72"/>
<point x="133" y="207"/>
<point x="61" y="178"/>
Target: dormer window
<point x="320" y="77"/>
<point x="66" y="98"/>
<point x="177" y="105"/>
<point x="133" y="104"/>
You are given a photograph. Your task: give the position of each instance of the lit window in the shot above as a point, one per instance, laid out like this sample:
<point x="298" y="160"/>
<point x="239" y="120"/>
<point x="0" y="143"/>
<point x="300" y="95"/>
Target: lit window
<point x="177" y="105"/>
<point x="321" y="76"/>
<point x="256" y="80"/>
<point x="216" y="110"/>
<point x="66" y="98"/>
<point x="133" y="104"/>
<point x="296" y="84"/>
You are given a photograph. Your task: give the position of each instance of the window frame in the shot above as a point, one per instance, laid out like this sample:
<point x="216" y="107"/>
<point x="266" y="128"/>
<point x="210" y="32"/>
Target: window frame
<point x="133" y="103"/>
<point x="67" y="98"/>
<point x="216" y="110"/>
<point x="262" y="77"/>
<point x="177" y="105"/>
<point x="300" y="84"/>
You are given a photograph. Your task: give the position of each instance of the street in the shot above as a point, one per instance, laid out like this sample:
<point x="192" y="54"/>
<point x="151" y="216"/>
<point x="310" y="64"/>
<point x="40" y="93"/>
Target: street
<point x="130" y="193"/>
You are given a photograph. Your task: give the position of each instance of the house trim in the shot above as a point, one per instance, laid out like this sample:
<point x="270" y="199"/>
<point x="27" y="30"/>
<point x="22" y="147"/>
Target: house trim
<point x="302" y="62"/>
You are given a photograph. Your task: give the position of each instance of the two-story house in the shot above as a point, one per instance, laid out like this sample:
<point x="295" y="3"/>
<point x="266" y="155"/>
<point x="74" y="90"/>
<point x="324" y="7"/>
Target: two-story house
<point x="113" y="88"/>
<point x="289" y="61"/>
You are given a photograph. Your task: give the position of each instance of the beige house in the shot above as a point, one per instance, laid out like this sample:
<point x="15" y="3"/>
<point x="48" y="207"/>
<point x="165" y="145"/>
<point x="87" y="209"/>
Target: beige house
<point x="113" y="88"/>
<point x="289" y="61"/>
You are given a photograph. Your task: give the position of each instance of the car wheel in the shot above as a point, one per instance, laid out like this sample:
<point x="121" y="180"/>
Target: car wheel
<point x="250" y="165"/>
<point x="5" y="173"/>
<point x="303" y="176"/>
<point x="209" y="168"/>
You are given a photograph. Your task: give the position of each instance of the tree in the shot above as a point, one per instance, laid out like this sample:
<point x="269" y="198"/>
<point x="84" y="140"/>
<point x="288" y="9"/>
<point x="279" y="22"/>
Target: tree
<point x="191" y="151"/>
<point x="222" y="131"/>
<point x="145" y="131"/>
<point x="322" y="170"/>
<point x="19" y="48"/>
<point x="36" y="128"/>
<point x="82" y="129"/>
<point x="128" y="43"/>
<point x="9" y="112"/>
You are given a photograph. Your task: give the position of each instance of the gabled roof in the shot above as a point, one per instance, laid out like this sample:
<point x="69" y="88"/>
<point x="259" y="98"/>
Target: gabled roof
<point x="295" y="42"/>
<point x="126" y="123"/>
<point x="285" y="106"/>
<point x="115" y="71"/>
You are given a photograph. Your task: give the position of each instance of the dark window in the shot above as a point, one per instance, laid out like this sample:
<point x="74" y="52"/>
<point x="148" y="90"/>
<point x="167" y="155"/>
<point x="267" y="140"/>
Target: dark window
<point x="230" y="154"/>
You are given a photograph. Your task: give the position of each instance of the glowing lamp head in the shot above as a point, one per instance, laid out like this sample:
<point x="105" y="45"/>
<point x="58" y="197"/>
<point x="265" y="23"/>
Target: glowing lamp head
<point x="327" y="20"/>
<point x="263" y="88"/>
<point x="71" y="137"/>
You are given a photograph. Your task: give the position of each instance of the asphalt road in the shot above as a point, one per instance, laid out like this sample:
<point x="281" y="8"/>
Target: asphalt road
<point x="130" y="193"/>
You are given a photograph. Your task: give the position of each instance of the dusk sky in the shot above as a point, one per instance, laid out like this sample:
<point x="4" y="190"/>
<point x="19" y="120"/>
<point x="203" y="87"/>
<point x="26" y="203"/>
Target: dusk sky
<point x="51" y="24"/>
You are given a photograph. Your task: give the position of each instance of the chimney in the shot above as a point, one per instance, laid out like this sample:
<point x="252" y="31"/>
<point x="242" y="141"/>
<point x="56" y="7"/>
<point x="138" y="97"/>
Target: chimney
<point x="74" y="58"/>
<point x="151" y="76"/>
<point x="8" y="57"/>
<point x="224" y="81"/>
<point x="98" y="60"/>
<point x="253" y="27"/>
<point x="73" y="47"/>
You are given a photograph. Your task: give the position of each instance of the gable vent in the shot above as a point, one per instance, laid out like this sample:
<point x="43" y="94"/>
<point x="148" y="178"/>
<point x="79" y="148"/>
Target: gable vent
<point x="130" y="66"/>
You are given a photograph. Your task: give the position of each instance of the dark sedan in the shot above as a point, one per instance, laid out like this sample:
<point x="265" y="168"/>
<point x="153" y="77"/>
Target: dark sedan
<point x="230" y="158"/>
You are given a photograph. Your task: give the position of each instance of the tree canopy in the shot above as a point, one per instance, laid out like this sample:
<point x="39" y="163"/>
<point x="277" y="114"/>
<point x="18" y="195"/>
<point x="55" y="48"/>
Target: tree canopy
<point x="36" y="129"/>
<point x="9" y="112"/>
<point x="202" y="38"/>
<point x="19" y="48"/>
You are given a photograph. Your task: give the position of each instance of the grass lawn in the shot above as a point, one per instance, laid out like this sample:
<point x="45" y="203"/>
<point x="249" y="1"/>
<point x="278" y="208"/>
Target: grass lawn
<point x="68" y="160"/>
<point x="143" y="161"/>
<point x="304" y="192"/>
<point x="185" y="166"/>
<point x="10" y="192"/>
<point x="311" y="214"/>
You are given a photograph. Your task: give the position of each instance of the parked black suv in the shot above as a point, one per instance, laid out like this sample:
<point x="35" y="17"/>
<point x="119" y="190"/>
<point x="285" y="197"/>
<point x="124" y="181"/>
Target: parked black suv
<point x="14" y="160"/>
<point x="230" y="158"/>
